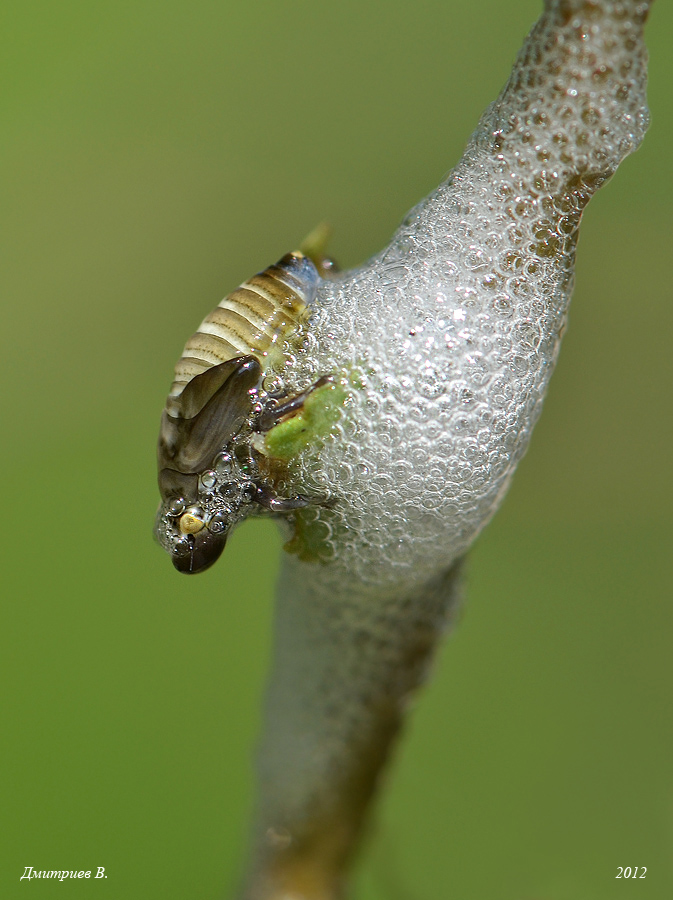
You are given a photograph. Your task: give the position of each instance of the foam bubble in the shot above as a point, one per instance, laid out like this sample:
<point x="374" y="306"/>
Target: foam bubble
<point x="451" y="333"/>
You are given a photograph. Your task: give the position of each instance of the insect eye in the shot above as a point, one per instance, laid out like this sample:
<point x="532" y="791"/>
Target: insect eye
<point x="191" y="521"/>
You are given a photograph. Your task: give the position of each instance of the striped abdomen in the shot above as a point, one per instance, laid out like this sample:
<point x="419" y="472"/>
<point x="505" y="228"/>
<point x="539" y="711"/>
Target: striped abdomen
<point x="253" y="320"/>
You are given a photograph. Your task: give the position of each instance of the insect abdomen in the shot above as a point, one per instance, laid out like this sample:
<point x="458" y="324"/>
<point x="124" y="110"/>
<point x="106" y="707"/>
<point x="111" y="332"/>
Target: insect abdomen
<point x="253" y="320"/>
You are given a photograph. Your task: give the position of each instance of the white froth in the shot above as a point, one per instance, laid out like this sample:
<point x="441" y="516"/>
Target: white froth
<point x="454" y="329"/>
<point x="451" y="335"/>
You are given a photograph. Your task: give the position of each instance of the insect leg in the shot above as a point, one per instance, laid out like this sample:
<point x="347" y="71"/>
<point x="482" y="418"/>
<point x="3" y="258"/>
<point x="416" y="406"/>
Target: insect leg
<point x="266" y="498"/>
<point x="274" y="414"/>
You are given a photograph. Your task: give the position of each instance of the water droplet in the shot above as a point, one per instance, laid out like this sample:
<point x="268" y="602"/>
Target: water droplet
<point x="431" y="384"/>
<point x="208" y="480"/>
<point x="502" y="305"/>
<point x="176" y="506"/>
<point x="222" y="462"/>
<point x="273" y="385"/>
<point x="182" y="547"/>
<point x="219" y="523"/>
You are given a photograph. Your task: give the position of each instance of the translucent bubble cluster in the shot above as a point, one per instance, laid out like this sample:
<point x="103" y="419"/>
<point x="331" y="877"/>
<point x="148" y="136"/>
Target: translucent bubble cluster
<point x="451" y="333"/>
<point x="446" y="340"/>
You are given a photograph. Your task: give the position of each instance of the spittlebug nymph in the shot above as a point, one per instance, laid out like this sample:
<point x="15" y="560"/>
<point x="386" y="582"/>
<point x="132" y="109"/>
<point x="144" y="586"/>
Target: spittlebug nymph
<point x="211" y="463"/>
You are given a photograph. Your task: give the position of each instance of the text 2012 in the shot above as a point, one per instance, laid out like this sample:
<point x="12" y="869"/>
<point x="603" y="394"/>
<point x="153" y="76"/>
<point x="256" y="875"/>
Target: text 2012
<point x="628" y="872"/>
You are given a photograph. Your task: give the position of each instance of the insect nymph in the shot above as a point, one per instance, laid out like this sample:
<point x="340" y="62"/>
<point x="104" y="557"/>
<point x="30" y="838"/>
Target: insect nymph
<point x="211" y="467"/>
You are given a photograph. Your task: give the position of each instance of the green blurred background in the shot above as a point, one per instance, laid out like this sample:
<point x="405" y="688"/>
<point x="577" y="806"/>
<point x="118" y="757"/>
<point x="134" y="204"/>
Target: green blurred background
<point x="156" y="154"/>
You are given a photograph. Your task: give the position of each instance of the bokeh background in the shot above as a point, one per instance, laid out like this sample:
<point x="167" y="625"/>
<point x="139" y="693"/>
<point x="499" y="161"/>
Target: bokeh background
<point x="154" y="154"/>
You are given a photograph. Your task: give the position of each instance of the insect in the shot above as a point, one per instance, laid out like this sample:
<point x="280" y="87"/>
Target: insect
<point x="211" y="460"/>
